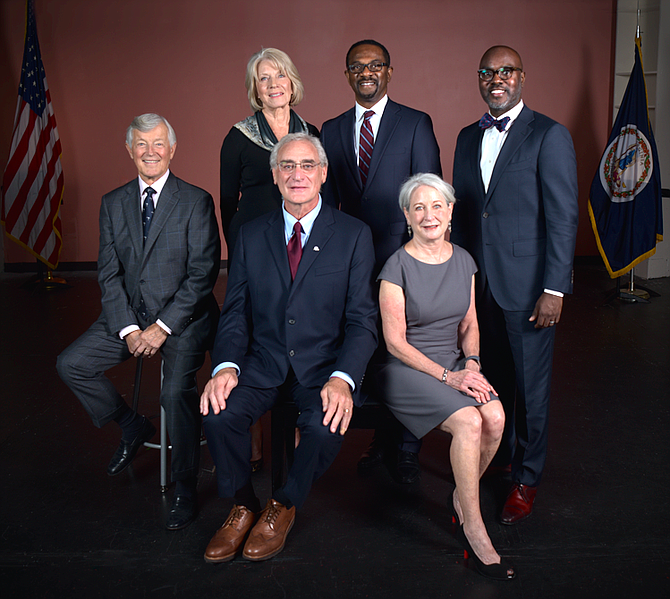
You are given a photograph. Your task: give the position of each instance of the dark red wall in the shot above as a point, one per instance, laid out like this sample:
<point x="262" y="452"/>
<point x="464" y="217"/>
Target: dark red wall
<point x="109" y="61"/>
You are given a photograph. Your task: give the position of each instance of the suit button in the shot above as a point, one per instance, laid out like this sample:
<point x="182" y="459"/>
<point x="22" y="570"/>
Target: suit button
<point x="291" y="321"/>
<point x="142" y="281"/>
<point x="485" y="215"/>
<point x="291" y="353"/>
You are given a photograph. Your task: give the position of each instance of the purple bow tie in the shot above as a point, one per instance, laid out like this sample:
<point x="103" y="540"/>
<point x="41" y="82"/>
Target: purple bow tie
<point x="488" y="121"/>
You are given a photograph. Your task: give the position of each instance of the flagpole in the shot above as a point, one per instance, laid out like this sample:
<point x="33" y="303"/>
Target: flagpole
<point x="640" y="294"/>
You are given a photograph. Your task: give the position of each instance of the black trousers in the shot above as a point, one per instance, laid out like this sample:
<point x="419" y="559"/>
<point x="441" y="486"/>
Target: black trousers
<point x="82" y="367"/>
<point x="229" y="440"/>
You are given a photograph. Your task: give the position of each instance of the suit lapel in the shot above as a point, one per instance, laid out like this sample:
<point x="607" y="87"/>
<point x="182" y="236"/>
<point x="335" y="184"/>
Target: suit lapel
<point x="348" y="141"/>
<point x="519" y="131"/>
<point x="388" y="124"/>
<point x="133" y="215"/>
<point x="167" y="202"/>
<point x="476" y="150"/>
<point x="322" y="231"/>
<point x="276" y="240"/>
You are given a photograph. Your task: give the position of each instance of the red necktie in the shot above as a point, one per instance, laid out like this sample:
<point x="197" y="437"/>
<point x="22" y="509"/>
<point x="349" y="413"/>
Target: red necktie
<point x="294" y="249"/>
<point x="365" y="147"/>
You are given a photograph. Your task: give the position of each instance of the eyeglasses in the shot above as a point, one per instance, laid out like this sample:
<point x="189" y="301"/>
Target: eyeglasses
<point x="286" y="166"/>
<point x="374" y="67"/>
<point x="503" y="72"/>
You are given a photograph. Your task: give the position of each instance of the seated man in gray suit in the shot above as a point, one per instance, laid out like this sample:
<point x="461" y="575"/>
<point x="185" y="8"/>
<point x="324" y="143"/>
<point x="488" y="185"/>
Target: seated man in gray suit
<point x="299" y="317"/>
<point x="158" y="262"/>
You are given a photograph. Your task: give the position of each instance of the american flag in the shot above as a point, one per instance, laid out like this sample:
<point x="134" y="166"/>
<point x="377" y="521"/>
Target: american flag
<point x="33" y="179"/>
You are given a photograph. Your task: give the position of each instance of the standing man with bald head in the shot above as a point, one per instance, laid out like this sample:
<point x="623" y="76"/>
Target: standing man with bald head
<point x="515" y="177"/>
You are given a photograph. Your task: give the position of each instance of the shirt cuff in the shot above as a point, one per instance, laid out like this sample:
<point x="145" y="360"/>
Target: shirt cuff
<point x="226" y="365"/>
<point x="127" y="330"/>
<point x="163" y="326"/>
<point x="552" y="292"/>
<point x="345" y="377"/>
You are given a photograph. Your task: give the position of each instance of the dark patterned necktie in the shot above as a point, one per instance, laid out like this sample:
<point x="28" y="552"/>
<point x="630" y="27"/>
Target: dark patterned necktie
<point x="148" y="211"/>
<point x="365" y="147"/>
<point x="294" y="249"/>
<point x="488" y="121"/>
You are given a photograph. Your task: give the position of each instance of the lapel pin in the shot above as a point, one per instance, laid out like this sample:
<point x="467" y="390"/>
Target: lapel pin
<point x="316" y="248"/>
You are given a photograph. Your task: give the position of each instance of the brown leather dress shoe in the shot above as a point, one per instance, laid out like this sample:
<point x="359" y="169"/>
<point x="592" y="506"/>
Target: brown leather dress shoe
<point x="229" y="538"/>
<point x="268" y="537"/>
<point x="519" y="504"/>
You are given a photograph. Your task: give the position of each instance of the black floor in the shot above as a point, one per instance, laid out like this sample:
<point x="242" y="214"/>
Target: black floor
<point x="601" y="526"/>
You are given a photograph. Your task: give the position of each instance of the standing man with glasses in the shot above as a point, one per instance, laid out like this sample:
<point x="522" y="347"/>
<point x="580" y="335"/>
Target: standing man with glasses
<point x="158" y="262"/>
<point x="299" y="317"/>
<point x="373" y="148"/>
<point x="515" y="177"/>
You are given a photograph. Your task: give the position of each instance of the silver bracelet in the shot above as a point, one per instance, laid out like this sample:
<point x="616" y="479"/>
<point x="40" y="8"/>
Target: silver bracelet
<point x="444" y="376"/>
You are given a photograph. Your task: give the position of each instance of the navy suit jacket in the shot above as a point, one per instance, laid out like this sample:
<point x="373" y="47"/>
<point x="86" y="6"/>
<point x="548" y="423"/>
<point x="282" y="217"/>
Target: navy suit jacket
<point x="324" y="320"/>
<point x="522" y="231"/>
<point x="174" y="271"/>
<point x="405" y="145"/>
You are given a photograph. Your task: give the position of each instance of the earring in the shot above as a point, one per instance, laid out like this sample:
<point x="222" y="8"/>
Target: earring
<point x="449" y="227"/>
<point x="409" y="230"/>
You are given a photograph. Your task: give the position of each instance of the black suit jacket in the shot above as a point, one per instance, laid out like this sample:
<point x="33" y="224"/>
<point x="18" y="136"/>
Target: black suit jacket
<point x="522" y="231"/>
<point x="324" y="320"/>
<point x="405" y="145"/>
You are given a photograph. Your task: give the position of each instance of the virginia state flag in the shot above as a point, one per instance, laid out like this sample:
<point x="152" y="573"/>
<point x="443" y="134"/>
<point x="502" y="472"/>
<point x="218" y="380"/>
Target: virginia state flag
<point x="625" y="203"/>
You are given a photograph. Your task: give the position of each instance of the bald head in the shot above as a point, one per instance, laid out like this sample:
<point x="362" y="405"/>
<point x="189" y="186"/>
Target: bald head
<point x="495" y="49"/>
<point x="500" y="94"/>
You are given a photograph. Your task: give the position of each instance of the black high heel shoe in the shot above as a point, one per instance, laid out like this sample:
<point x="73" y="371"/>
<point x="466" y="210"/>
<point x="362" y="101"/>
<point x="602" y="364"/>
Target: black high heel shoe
<point x="501" y="571"/>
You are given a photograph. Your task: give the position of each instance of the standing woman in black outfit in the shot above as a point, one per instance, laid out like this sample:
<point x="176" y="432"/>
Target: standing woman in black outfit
<point x="247" y="189"/>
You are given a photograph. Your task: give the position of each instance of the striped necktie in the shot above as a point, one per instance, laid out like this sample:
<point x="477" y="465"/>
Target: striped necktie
<point x="365" y="147"/>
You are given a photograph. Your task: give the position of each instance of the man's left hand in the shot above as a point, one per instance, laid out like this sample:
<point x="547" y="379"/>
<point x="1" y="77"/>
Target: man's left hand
<point x="547" y="311"/>
<point x="337" y="404"/>
<point x="151" y="339"/>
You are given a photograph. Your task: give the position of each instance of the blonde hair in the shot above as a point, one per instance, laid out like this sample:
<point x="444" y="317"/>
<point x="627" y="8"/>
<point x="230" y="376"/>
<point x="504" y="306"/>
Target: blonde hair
<point x="281" y="61"/>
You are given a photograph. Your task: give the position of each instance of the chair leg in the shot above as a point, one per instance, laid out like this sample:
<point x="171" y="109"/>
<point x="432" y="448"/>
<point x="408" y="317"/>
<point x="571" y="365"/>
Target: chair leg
<point x="164" y="450"/>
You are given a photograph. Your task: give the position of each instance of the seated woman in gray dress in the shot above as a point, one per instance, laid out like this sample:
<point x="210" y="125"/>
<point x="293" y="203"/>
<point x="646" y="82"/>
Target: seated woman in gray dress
<point x="433" y="379"/>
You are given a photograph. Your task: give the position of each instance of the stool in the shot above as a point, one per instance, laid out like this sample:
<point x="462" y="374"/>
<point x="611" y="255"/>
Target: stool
<point x="373" y="414"/>
<point x="164" y="444"/>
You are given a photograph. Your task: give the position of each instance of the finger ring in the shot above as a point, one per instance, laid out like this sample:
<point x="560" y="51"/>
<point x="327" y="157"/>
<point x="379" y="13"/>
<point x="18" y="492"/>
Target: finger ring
<point x="346" y="410"/>
<point x="552" y="322"/>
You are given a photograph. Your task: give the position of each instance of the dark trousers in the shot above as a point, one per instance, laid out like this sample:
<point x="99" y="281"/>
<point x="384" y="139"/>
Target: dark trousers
<point x="517" y="360"/>
<point x="229" y="440"/>
<point x="82" y="367"/>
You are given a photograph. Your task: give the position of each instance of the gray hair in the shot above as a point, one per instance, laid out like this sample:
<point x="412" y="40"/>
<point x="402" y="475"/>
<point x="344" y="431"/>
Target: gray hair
<point x="145" y="123"/>
<point x="429" y="180"/>
<point x="287" y="139"/>
<point x="282" y="62"/>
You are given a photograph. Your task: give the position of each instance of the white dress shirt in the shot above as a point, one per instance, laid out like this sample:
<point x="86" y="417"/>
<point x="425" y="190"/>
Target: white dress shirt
<point x="378" y="110"/>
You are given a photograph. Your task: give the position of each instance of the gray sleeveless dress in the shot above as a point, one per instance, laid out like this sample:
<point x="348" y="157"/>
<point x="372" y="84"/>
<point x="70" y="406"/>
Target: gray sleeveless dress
<point x="437" y="297"/>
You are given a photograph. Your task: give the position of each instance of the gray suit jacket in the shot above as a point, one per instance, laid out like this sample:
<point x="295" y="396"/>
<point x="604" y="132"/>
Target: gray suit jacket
<point x="174" y="271"/>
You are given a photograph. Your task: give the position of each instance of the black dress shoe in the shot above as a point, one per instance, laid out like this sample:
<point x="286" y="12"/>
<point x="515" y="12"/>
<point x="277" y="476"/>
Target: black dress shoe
<point x="127" y="450"/>
<point x="407" y="467"/>
<point x="183" y="511"/>
<point x="373" y="455"/>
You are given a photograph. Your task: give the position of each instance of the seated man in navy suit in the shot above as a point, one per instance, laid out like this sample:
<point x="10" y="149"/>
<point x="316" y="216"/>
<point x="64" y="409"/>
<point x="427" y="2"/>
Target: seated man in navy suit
<point x="299" y="317"/>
